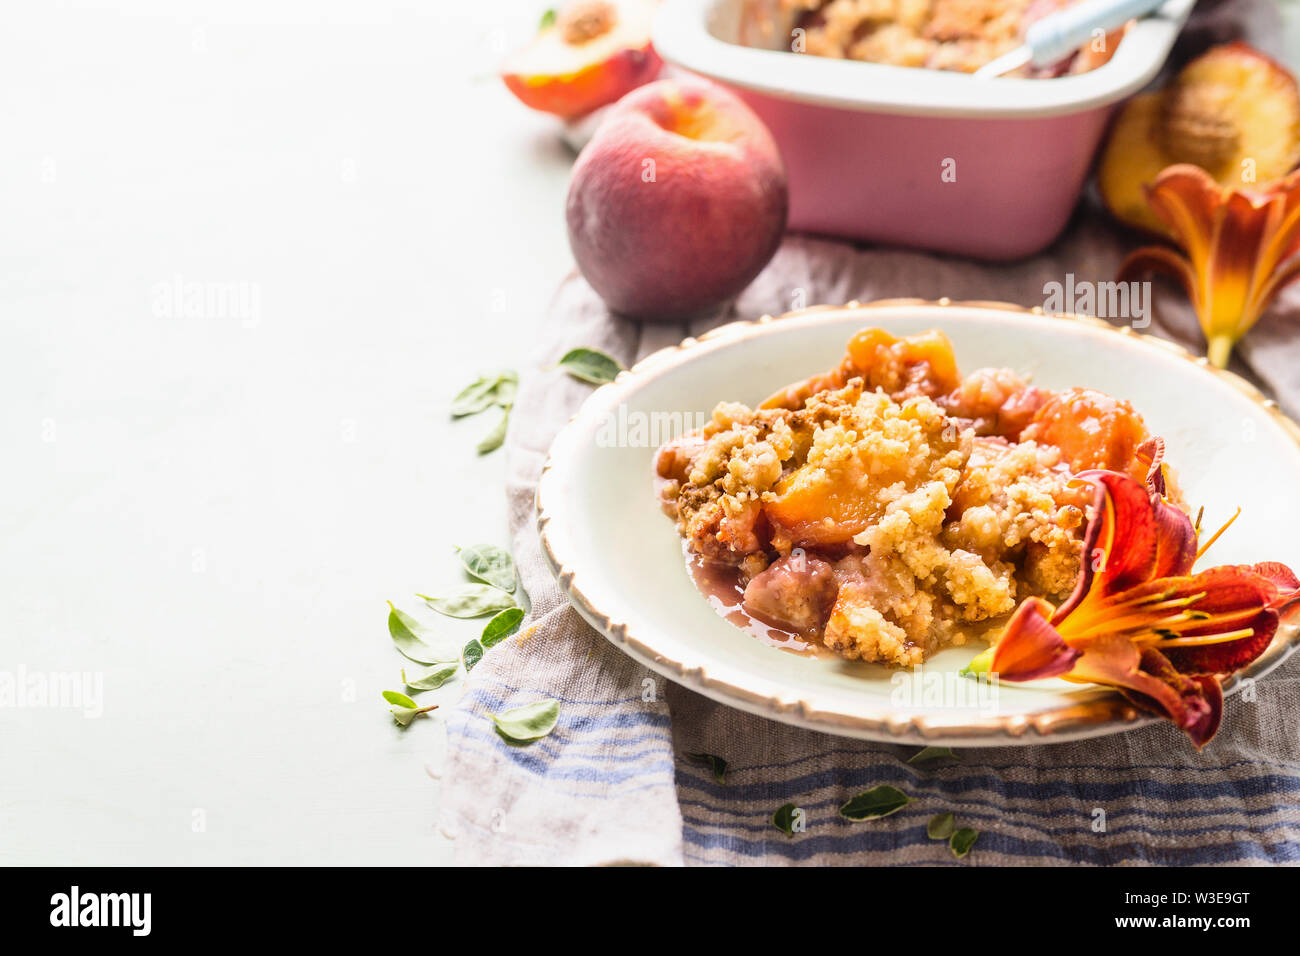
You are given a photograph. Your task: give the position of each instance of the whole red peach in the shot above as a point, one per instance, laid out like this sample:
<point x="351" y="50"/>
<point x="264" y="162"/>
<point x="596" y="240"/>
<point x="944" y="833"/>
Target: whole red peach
<point x="678" y="201"/>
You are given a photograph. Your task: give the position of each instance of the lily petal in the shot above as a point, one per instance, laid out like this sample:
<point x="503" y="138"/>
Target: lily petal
<point x="1152" y="454"/>
<point x="1147" y="679"/>
<point x="1120" y="547"/>
<point x="1195" y="704"/>
<point x="1235" y="242"/>
<point x="1283" y="584"/>
<point x="1162" y="259"/>
<point x="1186" y="198"/>
<point x="1030" y="648"/>
<point x="1229" y="600"/>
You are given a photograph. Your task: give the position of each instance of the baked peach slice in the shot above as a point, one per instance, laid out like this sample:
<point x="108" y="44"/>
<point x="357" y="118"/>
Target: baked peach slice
<point x="1232" y="111"/>
<point x="1092" y="430"/>
<point x="917" y="364"/>
<point x="590" y="55"/>
<point x="816" y="506"/>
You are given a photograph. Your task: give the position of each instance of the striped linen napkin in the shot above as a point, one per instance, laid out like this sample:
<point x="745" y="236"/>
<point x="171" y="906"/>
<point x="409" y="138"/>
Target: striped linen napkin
<point x="612" y="784"/>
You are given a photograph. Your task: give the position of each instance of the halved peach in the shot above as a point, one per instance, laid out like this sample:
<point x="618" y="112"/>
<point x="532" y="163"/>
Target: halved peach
<point x="1232" y="111"/>
<point x="594" y="52"/>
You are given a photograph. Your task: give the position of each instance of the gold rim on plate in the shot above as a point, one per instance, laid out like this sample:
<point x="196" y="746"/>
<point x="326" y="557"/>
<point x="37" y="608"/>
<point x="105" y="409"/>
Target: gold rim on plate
<point x="1084" y="719"/>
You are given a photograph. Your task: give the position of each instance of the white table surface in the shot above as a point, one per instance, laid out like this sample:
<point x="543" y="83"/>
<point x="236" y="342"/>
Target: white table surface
<point x="211" y="511"/>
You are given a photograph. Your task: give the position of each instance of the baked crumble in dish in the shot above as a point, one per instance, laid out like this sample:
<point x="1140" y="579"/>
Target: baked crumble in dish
<point x="891" y="507"/>
<point x="960" y="35"/>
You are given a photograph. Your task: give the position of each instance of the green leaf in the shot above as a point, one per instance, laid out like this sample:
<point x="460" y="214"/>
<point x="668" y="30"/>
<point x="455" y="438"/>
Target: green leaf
<point x="489" y="564"/>
<point x="961" y="842"/>
<point x="783" y="819"/>
<point x="548" y="18"/>
<point x="430" y="680"/>
<point x="940" y="826"/>
<point x="590" y="365"/>
<point x="875" y="803"/>
<point x="715" y="764"/>
<point x="529" y="722"/>
<point x="398" y="699"/>
<point x="471" y="655"/>
<point x="493" y="439"/>
<point x="506" y="390"/>
<point x="476" y="396"/>
<point x="405" y="710"/>
<point x="411" y="638"/>
<point x="501" y="626"/>
<point x="498" y="388"/>
<point x="471" y="600"/>
<point x="932" y="753"/>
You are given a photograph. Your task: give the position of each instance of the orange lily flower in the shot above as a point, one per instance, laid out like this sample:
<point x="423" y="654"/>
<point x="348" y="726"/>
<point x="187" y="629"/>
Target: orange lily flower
<point x="1236" y="244"/>
<point x="1139" y="620"/>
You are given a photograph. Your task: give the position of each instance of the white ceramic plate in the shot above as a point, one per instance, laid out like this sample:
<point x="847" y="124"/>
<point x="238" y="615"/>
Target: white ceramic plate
<point x="619" y="560"/>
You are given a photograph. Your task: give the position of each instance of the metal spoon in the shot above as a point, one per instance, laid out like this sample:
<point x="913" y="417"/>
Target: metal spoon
<point x="1059" y="34"/>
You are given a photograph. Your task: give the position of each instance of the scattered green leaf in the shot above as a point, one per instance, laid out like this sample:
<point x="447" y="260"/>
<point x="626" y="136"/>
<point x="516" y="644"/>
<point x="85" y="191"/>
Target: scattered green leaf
<point x="471" y="655"/>
<point x="412" y="639"/>
<point x="493" y="439"/>
<point x="430" y="680"/>
<point x="470" y="600"/>
<point x="715" y="764"/>
<point x="590" y="365"/>
<point x="529" y="722"/>
<point x="405" y="710"/>
<point x="933" y="753"/>
<point x="875" y="803"/>
<point x="548" y="18"/>
<point x="489" y="564"/>
<point x="506" y="390"/>
<point x="501" y="626"/>
<point x="940" y="826"/>
<point x="484" y="392"/>
<point x="961" y="841"/>
<point x="783" y="819"/>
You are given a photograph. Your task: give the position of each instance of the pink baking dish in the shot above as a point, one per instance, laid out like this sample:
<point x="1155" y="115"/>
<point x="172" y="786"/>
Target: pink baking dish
<point x="865" y="145"/>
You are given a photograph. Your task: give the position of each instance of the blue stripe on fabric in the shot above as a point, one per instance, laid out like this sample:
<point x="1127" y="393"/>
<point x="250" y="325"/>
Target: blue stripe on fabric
<point x="1039" y="790"/>
<point x="844" y="752"/>
<point x="559" y="757"/>
<point x="541" y="768"/>
<point x="1001" y="818"/>
<point x="555" y="744"/>
<point x="603" y="702"/>
<point x="804" y="847"/>
<point x="578" y="722"/>
<point x="999" y="811"/>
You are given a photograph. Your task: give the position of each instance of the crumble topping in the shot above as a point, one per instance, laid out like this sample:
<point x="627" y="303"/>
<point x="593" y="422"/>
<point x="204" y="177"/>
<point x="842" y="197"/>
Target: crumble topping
<point x="889" y="524"/>
<point x="959" y="35"/>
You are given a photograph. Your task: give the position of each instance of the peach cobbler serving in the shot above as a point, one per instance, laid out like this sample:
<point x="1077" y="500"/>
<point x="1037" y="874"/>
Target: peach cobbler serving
<point x="890" y="507"/>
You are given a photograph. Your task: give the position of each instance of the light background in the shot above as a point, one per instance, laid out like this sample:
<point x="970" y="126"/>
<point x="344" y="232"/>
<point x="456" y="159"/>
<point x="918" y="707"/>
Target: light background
<point x="212" y="511"/>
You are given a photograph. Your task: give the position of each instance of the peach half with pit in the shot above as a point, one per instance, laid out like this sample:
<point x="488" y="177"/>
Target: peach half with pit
<point x="1232" y="111"/>
<point x="589" y="55"/>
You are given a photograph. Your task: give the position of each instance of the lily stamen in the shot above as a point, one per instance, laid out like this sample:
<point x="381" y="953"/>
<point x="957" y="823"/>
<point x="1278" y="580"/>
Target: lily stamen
<point x="1215" y="537"/>
<point x="1201" y="640"/>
